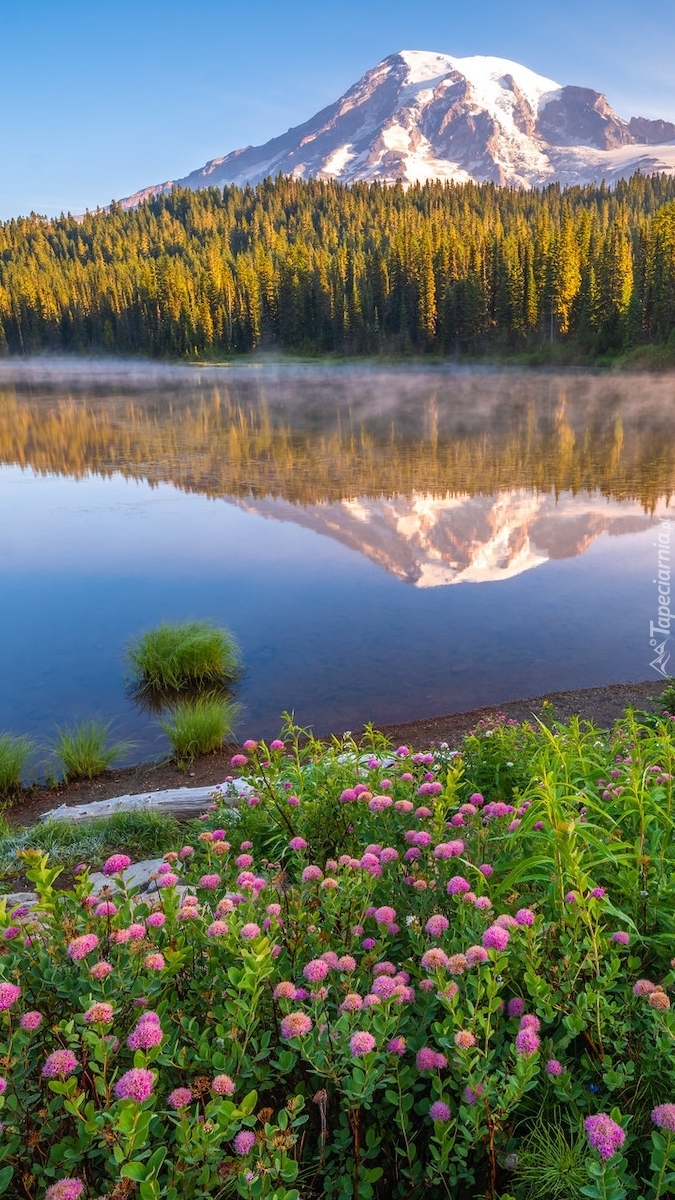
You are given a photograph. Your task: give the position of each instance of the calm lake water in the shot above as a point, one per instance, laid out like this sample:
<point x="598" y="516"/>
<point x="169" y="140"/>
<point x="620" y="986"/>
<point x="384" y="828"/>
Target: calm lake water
<point x="384" y="544"/>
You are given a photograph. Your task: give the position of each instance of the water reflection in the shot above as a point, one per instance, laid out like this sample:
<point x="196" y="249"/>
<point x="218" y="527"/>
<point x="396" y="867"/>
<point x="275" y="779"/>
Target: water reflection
<point x="348" y="504"/>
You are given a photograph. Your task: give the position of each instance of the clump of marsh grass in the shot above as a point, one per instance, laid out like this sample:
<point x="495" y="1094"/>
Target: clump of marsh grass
<point x="199" y="726"/>
<point x="14" y="754"/>
<point x="138" y="834"/>
<point x="82" y="751"/>
<point x="552" y="1162"/>
<point x="171" y="657"/>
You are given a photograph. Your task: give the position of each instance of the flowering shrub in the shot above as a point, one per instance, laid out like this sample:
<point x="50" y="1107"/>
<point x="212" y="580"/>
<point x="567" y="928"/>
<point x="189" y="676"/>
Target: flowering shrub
<point x="328" y="996"/>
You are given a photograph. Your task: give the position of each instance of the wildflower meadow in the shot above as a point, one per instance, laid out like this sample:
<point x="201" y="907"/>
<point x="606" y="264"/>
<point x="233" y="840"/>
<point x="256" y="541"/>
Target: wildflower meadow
<point x="380" y="974"/>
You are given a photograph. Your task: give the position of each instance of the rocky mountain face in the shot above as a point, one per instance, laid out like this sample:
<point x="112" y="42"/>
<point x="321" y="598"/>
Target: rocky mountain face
<point x="418" y="116"/>
<point x="430" y="541"/>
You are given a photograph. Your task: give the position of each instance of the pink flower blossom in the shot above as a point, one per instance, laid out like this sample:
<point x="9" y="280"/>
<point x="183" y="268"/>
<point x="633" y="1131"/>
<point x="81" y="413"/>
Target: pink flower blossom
<point x="65" y="1189"/>
<point x="529" y="1021"/>
<point x="643" y="987"/>
<point x="156" y="920"/>
<point x="553" y="1067"/>
<point x="316" y="970"/>
<point x="244" y="1142"/>
<point x="238" y="760"/>
<point x="222" y="1085"/>
<point x="347" y="963"/>
<point x="105" y="909"/>
<point x="296" y="1024"/>
<point x="60" y="1062"/>
<point x="437" y="925"/>
<point x="464" y="1039"/>
<point x="473" y="1094"/>
<point x="148" y="1033"/>
<point x="482" y="903"/>
<point x="135" y="1084"/>
<point x="449" y="849"/>
<point x="527" y="1041"/>
<point x="277" y="744"/>
<point x="664" y="1116"/>
<point x="99" y="1013"/>
<point x="298" y="843"/>
<point x="352" y="1002"/>
<point x="622" y="938"/>
<point x="385" y="915"/>
<point x="81" y="946"/>
<point x="31" y="1020"/>
<point x="434" y="959"/>
<point x="100" y="970"/>
<point x="476" y="955"/>
<point x="384" y="987"/>
<point x="250" y="931"/>
<point x="516" y="1006"/>
<point x="180" y="1097"/>
<point x="439" y="1111"/>
<point x="115" y="864"/>
<point x="525" y="916"/>
<point x="155" y="961"/>
<point x="396" y="1045"/>
<point x="217" y="929"/>
<point x="167" y="880"/>
<point x="361" y="1043"/>
<point x="310" y="873"/>
<point x="496" y="938"/>
<point x="430" y="1060"/>
<point x="9" y="994"/>
<point x="604" y="1134"/>
<point x="209" y="881"/>
<point x="457" y="885"/>
<point x="457" y="964"/>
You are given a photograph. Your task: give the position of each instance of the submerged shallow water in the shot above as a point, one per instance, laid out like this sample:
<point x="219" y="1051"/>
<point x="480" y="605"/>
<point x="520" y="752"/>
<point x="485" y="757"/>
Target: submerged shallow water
<point x="384" y="544"/>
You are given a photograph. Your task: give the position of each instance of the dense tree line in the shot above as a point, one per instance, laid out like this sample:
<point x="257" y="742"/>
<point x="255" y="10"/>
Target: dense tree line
<point x="319" y="266"/>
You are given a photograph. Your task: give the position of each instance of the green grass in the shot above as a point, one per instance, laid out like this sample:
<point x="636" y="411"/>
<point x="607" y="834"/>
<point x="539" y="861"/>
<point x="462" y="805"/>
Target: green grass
<point x="199" y="726"/>
<point x="82" y="751"/>
<point x="14" y="754"/>
<point x="138" y="834"/>
<point x="175" y="656"/>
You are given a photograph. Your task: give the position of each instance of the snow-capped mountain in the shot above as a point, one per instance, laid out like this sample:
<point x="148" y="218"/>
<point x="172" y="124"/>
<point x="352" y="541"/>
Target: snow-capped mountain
<point x="419" y="115"/>
<point x="430" y="541"/>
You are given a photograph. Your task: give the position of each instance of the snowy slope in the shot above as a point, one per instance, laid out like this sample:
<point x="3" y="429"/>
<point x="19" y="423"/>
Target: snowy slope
<point x="419" y="115"/>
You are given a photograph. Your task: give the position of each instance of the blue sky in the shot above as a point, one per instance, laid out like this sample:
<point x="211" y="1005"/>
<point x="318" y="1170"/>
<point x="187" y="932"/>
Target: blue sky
<point x="99" y="99"/>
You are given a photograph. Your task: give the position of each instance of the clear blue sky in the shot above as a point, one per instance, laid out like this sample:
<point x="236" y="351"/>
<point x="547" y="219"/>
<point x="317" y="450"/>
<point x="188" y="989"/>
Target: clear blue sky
<point x="99" y="98"/>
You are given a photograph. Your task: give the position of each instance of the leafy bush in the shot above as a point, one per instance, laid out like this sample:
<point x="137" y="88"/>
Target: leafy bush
<point x="385" y="1008"/>
<point x="81" y="749"/>
<point x="199" y="726"/>
<point x="14" y="754"/>
<point x="175" y="656"/>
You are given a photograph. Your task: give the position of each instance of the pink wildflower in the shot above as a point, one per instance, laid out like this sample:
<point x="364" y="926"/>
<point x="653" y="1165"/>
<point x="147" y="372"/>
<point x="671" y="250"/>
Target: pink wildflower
<point x="31" y="1020"/>
<point x="65" y="1189"/>
<point x="449" y="849"/>
<point x="476" y="955"/>
<point x="285" y="990"/>
<point x="529" y="1021"/>
<point x="238" y="760"/>
<point x="437" y="925"/>
<point x="622" y="938"/>
<point x="496" y="938"/>
<point x="115" y="864"/>
<point x="250" y="930"/>
<point x="156" y="920"/>
<point x="664" y="1116"/>
<point x="553" y="1067"/>
<point x="525" y="916"/>
<point x="135" y="1084"/>
<point x="60" y="1062"/>
<point x="396" y="1045"/>
<point x="457" y="885"/>
<point x="244" y="1142"/>
<point x="604" y="1134"/>
<point x="439" y="1111"/>
<point x="516" y="1006"/>
<point x="385" y="915"/>
<point x="643" y="987"/>
<point x="434" y="959"/>
<point x="154" y="962"/>
<point x="361" y="1043"/>
<point x="81" y="946"/>
<point x="180" y="1097"/>
<point x="430" y="1060"/>
<point x="464" y="1039"/>
<point x="527" y="1041"/>
<point x="222" y="1085"/>
<point x="209" y="881"/>
<point x="99" y="1013"/>
<point x="457" y="964"/>
<point x="100" y="970"/>
<point x="352" y="1002"/>
<point x="347" y="963"/>
<point x="298" y="843"/>
<point x="316" y="970"/>
<point x="296" y="1024"/>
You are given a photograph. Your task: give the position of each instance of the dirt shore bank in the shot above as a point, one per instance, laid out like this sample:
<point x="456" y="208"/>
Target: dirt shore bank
<point x="602" y="706"/>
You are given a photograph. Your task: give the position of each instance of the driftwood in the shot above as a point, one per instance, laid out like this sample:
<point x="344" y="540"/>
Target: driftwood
<point x="175" y="802"/>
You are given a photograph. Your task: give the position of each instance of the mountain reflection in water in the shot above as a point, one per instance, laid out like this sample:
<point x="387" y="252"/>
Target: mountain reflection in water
<point x="436" y="476"/>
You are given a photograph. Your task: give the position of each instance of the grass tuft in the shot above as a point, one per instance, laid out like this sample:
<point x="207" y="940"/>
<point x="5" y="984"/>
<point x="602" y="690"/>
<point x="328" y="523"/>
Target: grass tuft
<point x="199" y="726"/>
<point x="138" y="834"/>
<point x="175" y="656"/>
<point x="82" y="749"/>
<point x="14" y="754"/>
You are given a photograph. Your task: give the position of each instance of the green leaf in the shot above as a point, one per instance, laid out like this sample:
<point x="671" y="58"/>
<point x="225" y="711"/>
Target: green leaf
<point x="6" y="1174"/>
<point x="134" y="1170"/>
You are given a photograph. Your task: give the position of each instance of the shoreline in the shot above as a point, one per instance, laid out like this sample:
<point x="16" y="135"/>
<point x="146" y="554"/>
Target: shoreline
<point x="601" y="705"/>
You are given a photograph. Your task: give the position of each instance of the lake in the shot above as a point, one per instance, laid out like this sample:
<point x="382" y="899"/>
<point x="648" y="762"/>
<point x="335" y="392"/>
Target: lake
<point x="385" y="544"/>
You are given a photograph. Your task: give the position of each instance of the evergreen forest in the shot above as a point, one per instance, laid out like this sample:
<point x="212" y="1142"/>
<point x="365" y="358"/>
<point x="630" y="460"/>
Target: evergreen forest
<point x="319" y="267"/>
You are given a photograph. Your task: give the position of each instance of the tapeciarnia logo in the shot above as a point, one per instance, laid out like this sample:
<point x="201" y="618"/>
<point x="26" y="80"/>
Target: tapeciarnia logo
<point x="659" y="630"/>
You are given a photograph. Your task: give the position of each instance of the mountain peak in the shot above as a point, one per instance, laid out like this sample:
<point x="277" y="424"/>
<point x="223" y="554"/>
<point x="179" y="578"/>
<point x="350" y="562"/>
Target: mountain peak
<point x="420" y="115"/>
